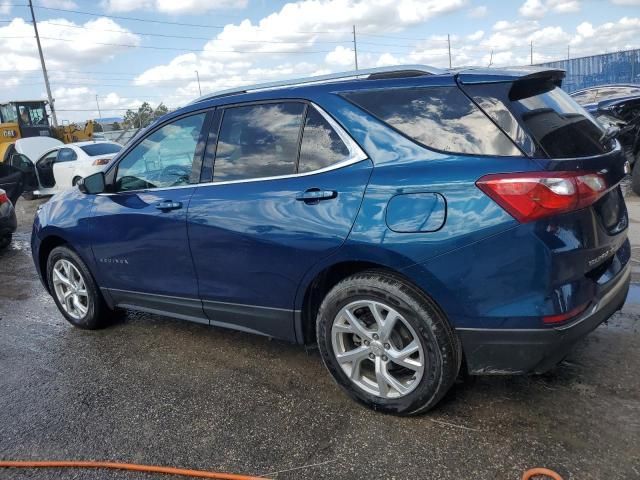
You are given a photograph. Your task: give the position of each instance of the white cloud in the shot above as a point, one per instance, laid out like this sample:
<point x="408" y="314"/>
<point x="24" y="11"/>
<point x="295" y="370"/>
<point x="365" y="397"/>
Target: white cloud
<point x="474" y="37"/>
<point x="631" y="3"/>
<point x="172" y="6"/>
<point x="536" y="9"/>
<point x="478" y="12"/>
<point x="277" y="41"/>
<point x="5" y="7"/>
<point x="340" y="56"/>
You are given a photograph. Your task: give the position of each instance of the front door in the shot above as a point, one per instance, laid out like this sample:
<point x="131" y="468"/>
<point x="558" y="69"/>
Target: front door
<point x="139" y="231"/>
<point x="268" y="218"/>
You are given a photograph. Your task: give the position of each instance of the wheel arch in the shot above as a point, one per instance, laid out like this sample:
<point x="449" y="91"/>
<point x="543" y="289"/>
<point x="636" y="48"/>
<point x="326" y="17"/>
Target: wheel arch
<point x="323" y="281"/>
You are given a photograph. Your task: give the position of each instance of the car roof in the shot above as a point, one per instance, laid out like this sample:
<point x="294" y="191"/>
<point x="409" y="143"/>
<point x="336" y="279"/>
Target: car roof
<point x="400" y="72"/>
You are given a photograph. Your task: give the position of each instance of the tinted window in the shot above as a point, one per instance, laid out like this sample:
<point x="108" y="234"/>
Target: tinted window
<point x="539" y="112"/>
<point x="66" y="155"/>
<point x="8" y="113"/>
<point x="442" y="118"/>
<point x="258" y="141"/>
<point x="101" y="149"/>
<point x="321" y="145"/>
<point x="163" y="159"/>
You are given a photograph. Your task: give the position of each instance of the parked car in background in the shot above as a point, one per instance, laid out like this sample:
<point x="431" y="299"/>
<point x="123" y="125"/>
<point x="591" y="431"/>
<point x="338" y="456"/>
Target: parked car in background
<point x="404" y="218"/>
<point x="61" y="167"/>
<point x="8" y="222"/>
<point x="617" y="106"/>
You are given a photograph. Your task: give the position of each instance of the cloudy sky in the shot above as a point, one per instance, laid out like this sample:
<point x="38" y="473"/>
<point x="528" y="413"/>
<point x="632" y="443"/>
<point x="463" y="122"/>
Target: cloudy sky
<point x="128" y="51"/>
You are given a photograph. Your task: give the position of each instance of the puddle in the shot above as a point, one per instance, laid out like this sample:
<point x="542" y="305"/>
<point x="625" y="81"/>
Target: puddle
<point x="633" y="297"/>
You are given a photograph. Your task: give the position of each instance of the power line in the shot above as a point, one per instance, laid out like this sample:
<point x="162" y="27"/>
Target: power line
<point x="186" y="37"/>
<point x="198" y="50"/>
<point x="183" y="24"/>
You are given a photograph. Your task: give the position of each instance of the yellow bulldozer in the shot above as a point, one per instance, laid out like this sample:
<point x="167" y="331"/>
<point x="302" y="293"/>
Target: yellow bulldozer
<point x="28" y="118"/>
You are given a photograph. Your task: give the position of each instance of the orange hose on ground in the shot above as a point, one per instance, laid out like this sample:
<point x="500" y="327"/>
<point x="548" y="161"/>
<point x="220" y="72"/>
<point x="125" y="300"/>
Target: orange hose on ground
<point x="536" y="472"/>
<point x="126" y="466"/>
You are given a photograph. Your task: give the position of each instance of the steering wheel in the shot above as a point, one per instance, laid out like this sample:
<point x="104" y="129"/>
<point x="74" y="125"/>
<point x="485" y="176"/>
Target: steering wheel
<point x="180" y="171"/>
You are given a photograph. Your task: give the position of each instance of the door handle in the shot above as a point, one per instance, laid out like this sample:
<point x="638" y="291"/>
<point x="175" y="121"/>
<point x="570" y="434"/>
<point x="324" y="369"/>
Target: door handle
<point x="314" y="195"/>
<point x="168" y="205"/>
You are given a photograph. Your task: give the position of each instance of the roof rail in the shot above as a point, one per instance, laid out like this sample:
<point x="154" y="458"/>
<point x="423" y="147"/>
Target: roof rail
<point x="370" y="73"/>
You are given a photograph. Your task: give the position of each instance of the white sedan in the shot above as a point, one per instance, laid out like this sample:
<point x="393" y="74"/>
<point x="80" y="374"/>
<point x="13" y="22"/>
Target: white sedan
<point x="60" y="168"/>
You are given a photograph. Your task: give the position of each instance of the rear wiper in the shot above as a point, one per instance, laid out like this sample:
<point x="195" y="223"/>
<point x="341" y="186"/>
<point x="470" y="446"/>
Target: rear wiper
<point x="609" y="134"/>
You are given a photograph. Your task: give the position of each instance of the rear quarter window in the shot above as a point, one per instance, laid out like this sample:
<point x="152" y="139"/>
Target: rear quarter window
<point x="440" y="118"/>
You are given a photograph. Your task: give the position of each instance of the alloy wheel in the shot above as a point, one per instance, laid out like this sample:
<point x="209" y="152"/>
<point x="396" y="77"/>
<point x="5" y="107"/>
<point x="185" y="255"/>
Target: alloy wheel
<point x="70" y="289"/>
<point x="377" y="349"/>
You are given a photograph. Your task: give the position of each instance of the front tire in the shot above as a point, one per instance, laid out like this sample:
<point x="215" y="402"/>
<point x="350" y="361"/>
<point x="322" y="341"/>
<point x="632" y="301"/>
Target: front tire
<point x="386" y="344"/>
<point x="74" y="290"/>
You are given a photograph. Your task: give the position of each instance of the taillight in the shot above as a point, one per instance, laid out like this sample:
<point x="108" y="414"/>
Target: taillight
<point x="3" y="198"/>
<point x="532" y="195"/>
<point x="101" y="161"/>
<point x="563" y="317"/>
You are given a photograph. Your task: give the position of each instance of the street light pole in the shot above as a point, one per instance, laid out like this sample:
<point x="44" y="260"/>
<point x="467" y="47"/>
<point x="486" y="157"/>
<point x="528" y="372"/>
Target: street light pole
<point x="44" y="67"/>
<point x="198" y="77"/>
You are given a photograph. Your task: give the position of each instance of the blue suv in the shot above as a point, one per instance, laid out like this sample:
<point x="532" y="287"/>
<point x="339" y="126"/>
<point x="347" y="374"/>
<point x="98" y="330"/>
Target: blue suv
<point x="412" y="222"/>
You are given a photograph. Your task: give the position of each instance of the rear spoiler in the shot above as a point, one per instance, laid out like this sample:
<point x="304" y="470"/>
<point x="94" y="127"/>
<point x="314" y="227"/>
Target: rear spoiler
<point x="472" y="76"/>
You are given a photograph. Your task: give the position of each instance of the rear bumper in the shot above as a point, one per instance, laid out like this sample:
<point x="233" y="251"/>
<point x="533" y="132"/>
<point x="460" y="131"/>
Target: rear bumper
<point x="516" y="351"/>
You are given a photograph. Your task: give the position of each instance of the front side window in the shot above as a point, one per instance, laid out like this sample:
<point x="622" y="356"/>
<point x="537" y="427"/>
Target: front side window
<point x="321" y="145"/>
<point x="258" y="141"/>
<point x="66" y="155"/>
<point x="442" y="118"/>
<point x="164" y="158"/>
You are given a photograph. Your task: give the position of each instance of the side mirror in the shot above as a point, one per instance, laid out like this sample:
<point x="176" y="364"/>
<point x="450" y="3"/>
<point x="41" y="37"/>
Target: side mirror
<point x="93" y="184"/>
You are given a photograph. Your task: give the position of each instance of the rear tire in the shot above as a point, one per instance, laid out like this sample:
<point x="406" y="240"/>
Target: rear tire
<point x="635" y="176"/>
<point x="74" y="290"/>
<point x="371" y="321"/>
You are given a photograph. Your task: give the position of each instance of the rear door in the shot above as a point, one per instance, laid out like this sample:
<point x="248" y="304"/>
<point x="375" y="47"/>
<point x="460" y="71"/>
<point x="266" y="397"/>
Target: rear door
<point x="11" y="181"/>
<point x="282" y="198"/>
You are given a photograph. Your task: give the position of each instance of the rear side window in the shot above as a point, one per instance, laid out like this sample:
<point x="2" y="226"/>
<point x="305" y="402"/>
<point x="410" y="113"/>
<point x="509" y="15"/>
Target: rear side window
<point x="442" y="118"/>
<point x="541" y="118"/>
<point x="321" y="145"/>
<point x="258" y="141"/>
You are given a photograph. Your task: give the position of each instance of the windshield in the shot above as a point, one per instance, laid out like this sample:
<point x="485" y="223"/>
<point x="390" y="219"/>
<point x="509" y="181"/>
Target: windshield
<point x="542" y="119"/>
<point x="32" y="114"/>
<point x="96" y="149"/>
<point x="8" y="113"/>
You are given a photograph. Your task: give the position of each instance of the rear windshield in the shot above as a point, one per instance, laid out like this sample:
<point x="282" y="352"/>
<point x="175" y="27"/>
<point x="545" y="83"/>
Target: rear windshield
<point x="542" y="119"/>
<point x="96" y="149"/>
<point x="441" y="118"/>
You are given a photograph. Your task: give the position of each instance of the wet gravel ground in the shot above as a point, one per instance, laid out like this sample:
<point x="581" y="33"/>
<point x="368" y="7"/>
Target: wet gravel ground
<point x="153" y="390"/>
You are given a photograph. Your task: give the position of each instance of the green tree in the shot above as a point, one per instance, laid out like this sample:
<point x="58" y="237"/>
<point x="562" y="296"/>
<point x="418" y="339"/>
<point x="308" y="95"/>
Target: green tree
<point x="116" y="126"/>
<point x="160" y="110"/>
<point x="143" y="117"/>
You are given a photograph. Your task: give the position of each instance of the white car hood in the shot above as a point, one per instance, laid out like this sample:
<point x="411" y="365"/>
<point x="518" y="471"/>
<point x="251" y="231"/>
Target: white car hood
<point x="34" y="147"/>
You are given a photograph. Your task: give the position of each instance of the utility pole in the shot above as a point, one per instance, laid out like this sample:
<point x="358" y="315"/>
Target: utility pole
<point x="355" y="47"/>
<point x="98" y="105"/>
<point x="44" y="67"/>
<point x="449" y="43"/>
<point x="491" y="58"/>
<point x="198" y="77"/>
<point x="568" y="52"/>
<point x="531" y="52"/>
